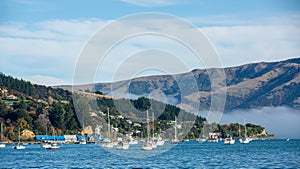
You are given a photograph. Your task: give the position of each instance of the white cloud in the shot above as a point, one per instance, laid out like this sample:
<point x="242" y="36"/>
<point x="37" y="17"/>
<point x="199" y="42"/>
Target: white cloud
<point x="52" y="47"/>
<point x="45" y="80"/>
<point x="238" y="45"/>
<point x="150" y="3"/>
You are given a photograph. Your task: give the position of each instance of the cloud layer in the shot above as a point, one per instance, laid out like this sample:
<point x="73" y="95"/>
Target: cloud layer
<point x="50" y="48"/>
<point x="281" y="121"/>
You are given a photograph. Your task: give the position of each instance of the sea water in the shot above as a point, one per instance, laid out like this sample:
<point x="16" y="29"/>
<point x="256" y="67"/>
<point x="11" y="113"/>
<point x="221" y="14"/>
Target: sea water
<point x="192" y="154"/>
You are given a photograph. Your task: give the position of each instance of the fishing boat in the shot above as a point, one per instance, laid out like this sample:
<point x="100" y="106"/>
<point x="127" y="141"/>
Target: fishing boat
<point x="2" y="145"/>
<point x="147" y="146"/>
<point x="229" y="140"/>
<point x="19" y="146"/>
<point x="245" y="139"/>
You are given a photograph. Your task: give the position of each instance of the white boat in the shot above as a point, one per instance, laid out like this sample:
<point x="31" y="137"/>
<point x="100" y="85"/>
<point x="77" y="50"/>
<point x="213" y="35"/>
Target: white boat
<point x="19" y="146"/>
<point x="153" y="142"/>
<point x="132" y="141"/>
<point x="82" y="142"/>
<point x="2" y="145"/>
<point x="53" y="147"/>
<point x="245" y="139"/>
<point x="175" y="141"/>
<point x="229" y="140"/>
<point x="213" y="140"/>
<point x="108" y="145"/>
<point x="147" y="146"/>
<point x="287" y="139"/>
<point x="45" y="145"/>
<point x="122" y="146"/>
<point x="202" y="139"/>
<point x="160" y="141"/>
<point x="107" y="142"/>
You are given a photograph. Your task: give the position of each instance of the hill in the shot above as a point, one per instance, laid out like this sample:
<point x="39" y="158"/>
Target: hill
<point x="40" y="109"/>
<point x="248" y="86"/>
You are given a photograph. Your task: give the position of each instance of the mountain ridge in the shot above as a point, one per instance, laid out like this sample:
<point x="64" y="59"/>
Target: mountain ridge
<point x="252" y="85"/>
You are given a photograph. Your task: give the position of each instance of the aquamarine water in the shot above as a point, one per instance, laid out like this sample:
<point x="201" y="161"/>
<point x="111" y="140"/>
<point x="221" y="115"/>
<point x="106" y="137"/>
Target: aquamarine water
<point x="257" y="154"/>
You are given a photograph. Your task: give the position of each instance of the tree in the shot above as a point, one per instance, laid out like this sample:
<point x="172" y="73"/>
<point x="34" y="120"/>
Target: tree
<point x="56" y="115"/>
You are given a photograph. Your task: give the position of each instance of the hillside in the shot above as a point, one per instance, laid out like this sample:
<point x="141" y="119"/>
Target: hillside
<point x="39" y="109"/>
<point x="248" y="86"/>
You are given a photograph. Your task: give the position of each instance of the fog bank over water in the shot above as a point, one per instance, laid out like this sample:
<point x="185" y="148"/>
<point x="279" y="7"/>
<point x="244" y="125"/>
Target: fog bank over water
<point x="284" y="122"/>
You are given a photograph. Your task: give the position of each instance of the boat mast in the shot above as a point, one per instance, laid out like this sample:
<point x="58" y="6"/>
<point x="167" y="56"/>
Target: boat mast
<point x="245" y="128"/>
<point x="108" y="124"/>
<point x="148" y="129"/>
<point x="239" y="130"/>
<point x="153" y="125"/>
<point x="175" y="129"/>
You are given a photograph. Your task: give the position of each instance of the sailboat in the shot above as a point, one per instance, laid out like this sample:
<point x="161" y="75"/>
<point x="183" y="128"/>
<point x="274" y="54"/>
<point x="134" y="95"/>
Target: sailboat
<point x="202" y="138"/>
<point x="46" y="145"/>
<point x="53" y="146"/>
<point x="229" y="140"/>
<point x="122" y="145"/>
<point x="153" y="142"/>
<point x="245" y="139"/>
<point x="132" y="140"/>
<point x="108" y="143"/>
<point x="175" y="141"/>
<point x="147" y="146"/>
<point x="19" y="146"/>
<point x="2" y="145"/>
<point x="160" y="141"/>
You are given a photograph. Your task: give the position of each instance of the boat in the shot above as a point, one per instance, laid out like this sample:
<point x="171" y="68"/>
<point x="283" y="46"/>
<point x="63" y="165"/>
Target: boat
<point x="154" y="140"/>
<point x="147" y="146"/>
<point x="122" y="146"/>
<point x="132" y="141"/>
<point x="202" y="139"/>
<point x="160" y="141"/>
<point x="53" y="147"/>
<point x="287" y="139"/>
<point x="2" y="145"/>
<point x="175" y="140"/>
<point x="245" y="139"/>
<point x="108" y="145"/>
<point x="229" y="140"/>
<point x="83" y="141"/>
<point x="19" y="146"/>
<point x="45" y="145"/>
<point x="107" y="142"/>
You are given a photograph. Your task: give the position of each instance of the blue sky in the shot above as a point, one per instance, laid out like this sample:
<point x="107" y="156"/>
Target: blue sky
<point x="40" y="41"/>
